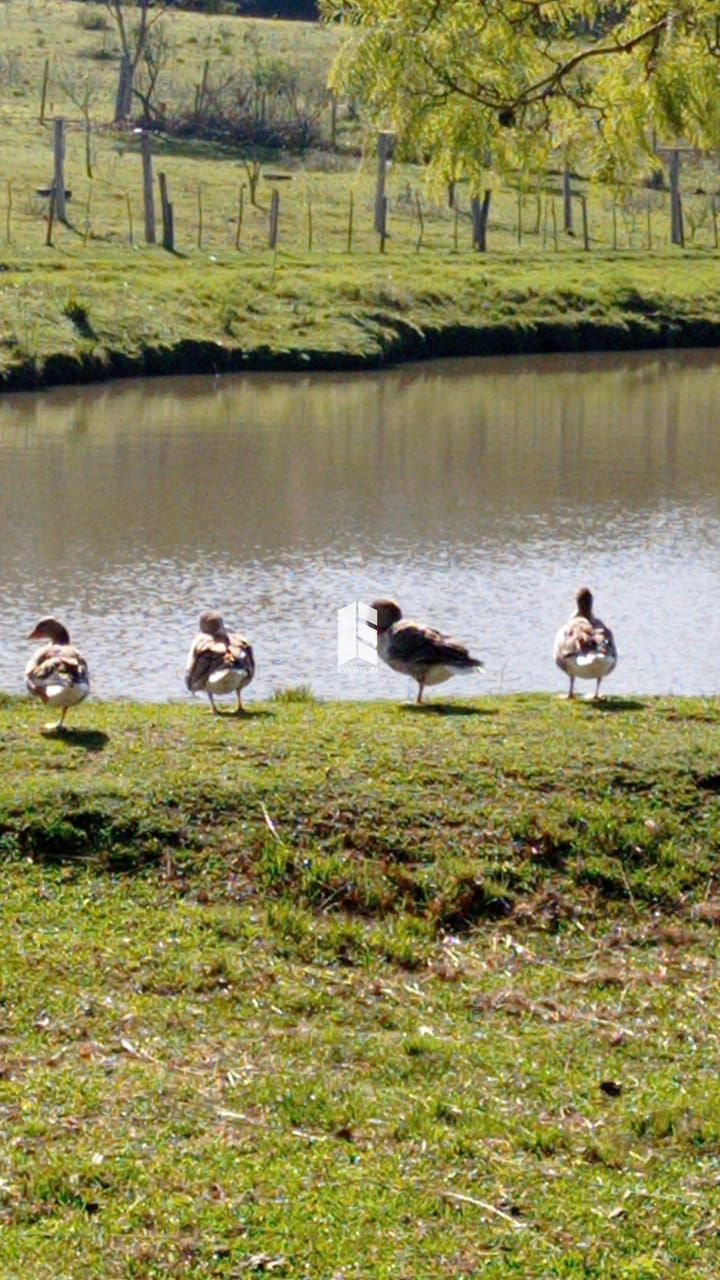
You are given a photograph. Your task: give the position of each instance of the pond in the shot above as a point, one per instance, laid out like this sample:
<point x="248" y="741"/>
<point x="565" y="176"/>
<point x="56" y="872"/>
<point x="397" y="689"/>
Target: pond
<point x="480" y="493"/>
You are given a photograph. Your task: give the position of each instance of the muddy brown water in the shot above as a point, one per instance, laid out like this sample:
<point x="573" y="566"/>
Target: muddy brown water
<point x="480" y="493"/>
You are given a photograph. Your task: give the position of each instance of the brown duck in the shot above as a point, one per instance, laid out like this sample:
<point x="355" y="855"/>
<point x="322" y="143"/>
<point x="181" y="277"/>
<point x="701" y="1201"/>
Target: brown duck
<point x="219" y="661"/>
<point x="418" y="651"/>
<point x="57" y="672"/>
<point x="584" y="647"/>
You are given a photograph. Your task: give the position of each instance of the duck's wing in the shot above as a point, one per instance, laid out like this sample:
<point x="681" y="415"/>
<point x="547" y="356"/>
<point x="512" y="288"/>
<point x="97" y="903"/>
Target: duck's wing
<point x="574" y="638"/>
<point x="56" y="664"/>
<point x="417" y="645"/>
<point x="241" y="653"/>
<point x="580" y="636"/>
<point x="206" y="656"/>
<point x="604" y="639"/>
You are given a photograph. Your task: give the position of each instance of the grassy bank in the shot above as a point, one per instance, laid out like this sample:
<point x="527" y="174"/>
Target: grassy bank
<point x="342" y="990"/>
<point x="98" y="302"/>
<point x="93" y="316"/>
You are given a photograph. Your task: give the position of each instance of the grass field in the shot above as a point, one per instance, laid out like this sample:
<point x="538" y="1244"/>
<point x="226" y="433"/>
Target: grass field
<point x="99" y="302"/>
<point x="342" y="991"/>
<point x="367" y="991"/>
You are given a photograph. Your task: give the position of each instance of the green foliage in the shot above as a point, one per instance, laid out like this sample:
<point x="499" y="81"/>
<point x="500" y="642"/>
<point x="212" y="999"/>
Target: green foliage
<point x="505" y="83"/>
<point x="94" y="305"/>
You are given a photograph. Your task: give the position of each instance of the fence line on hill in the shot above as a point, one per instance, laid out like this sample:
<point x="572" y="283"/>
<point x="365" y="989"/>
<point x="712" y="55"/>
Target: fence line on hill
<point x="544" y="230"/>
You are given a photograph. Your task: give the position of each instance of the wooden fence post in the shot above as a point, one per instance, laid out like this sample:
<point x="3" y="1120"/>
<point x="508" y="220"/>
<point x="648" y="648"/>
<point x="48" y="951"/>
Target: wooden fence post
<point x="350" y="223"/>
<point x="677" y="232"/>
<point x="241" y="202"/>
<point x="274" y="217"/>
<point x="168" y="237"/>
<point x="148" y="200"/>
<point x="474" y="219"/>
<point x="421" y="221"/>
<point x="88" y="207"/>
<point x="43" y="94"/>
<point x="384" y="151"/>
<point x="480" y="210"/>
<point x="567" y="202"/>
<point x="586" y="233"/>
<point x="333" y="117"/>
<point x="201" y="90"/>
<point x="51" y="218"/>
<point x="59" y="167"/>
<point x="383" y="223"/>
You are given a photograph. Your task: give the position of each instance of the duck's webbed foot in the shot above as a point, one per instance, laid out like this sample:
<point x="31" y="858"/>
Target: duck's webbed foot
<point x="57" y="725"/>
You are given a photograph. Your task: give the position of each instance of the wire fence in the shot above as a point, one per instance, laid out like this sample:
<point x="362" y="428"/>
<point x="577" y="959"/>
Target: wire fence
<point x="98" y="190"/>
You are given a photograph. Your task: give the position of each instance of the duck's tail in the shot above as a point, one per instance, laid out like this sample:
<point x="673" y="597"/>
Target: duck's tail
<point x="466" y="665"/>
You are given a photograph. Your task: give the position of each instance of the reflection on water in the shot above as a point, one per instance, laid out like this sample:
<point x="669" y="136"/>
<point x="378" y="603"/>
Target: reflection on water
<point x="480" y="493"/>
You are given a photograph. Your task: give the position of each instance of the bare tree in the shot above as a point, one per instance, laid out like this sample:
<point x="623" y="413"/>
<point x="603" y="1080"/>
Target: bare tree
<point x="134" y="37"/>
<point x="156" y="52"/>
<point x="82" y="92"/>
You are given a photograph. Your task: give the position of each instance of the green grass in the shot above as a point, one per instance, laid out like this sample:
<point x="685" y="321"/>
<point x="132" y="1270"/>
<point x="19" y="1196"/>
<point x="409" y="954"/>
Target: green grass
<point x="93" y="304"/>
<point x="349" y="990"/>
<point x="89" y="316"/>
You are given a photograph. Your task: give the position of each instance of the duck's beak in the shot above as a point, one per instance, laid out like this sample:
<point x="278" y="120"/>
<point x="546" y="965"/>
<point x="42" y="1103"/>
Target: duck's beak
<point x="33" y="635"/>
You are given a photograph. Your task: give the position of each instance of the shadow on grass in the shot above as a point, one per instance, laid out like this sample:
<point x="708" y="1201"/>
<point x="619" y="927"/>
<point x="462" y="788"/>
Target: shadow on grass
<point x="247" y="713"/>
<point x="445" y="709"/>
<point x="165" y="144"/>
<point x="88" y="739"/>
<point x="616" y="704"/>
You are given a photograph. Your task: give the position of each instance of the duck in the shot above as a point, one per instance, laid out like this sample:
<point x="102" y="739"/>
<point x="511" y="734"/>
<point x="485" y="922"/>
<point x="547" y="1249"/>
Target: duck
<point x="584" y="647"/>
<point x="57" y="672"/>
<point x="416" y="650"/>
<point x="219" y="661"/>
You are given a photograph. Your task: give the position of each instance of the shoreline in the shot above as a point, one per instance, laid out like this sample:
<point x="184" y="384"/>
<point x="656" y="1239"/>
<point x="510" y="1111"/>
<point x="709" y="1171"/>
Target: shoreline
<point x="340" y="316"/>
<point x="198" y="357"/>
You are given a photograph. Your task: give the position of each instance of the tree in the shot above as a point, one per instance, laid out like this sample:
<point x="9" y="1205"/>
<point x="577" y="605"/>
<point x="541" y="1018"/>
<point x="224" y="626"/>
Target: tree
<point x="134" y="41"/>
<point x="83" y="91"/>
<point x="473" y="83"/>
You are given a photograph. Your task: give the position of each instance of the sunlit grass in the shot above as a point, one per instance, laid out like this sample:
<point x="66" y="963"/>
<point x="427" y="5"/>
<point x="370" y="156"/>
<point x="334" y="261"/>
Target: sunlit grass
<point x="98" y="301"/>
<point x="342" y="990"/>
